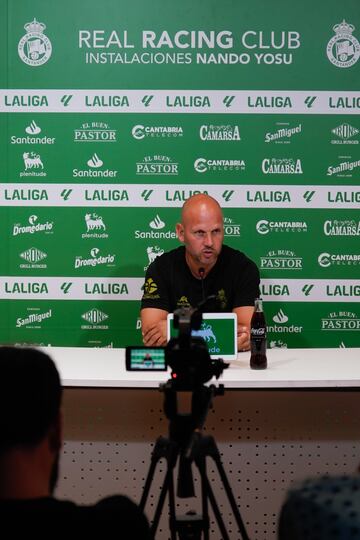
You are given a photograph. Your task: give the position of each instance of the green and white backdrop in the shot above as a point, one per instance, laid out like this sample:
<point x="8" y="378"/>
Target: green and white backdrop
<point x="113" y="113"/>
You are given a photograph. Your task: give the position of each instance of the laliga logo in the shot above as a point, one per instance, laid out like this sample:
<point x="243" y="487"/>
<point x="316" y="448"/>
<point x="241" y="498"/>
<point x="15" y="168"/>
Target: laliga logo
<point x="262" y="226"/>
<point x="343" y="50"/>
<point x="34" y="48"/>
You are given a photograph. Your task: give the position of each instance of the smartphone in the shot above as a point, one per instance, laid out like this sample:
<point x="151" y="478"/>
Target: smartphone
<point x="145" y="358"/>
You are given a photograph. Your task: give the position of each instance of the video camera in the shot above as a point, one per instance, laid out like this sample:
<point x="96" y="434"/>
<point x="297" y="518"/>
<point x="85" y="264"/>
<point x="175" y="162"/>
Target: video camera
<point x="186" y="355"/>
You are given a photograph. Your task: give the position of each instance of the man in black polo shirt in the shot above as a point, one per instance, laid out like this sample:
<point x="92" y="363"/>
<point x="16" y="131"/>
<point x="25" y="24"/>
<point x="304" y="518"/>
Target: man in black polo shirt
<point x="203" y="266"/>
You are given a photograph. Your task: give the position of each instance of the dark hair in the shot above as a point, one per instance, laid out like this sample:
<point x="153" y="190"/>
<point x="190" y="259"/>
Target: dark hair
<point x="30" y="396"/>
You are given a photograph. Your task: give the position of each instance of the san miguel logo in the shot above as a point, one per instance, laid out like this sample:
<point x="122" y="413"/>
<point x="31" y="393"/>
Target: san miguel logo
<point x="34" y="48"/>
<point x="343" y="49"/>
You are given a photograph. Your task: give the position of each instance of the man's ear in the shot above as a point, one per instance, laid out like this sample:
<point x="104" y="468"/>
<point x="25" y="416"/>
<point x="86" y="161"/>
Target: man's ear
<point x="179" y="231"/>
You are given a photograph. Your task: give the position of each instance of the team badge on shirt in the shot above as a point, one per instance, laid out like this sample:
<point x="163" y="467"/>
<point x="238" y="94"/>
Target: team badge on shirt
<point x="221" y="298"/>
<point x="150" y="288"/>
<point x="183" y="302"/>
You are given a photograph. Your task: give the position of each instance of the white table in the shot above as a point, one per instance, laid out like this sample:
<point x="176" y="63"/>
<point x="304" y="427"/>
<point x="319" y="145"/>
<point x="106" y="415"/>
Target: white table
<point x="287" y="368"/>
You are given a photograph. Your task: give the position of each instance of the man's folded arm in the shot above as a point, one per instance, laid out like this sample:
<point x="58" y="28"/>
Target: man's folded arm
<point x="153" y="325"/>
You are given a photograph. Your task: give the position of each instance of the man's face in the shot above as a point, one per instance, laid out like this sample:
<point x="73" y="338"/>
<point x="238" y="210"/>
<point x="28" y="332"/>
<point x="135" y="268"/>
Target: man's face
<point x="203" y="235"/>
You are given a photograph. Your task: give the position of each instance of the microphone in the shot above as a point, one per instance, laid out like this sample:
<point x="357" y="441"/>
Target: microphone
<point x="201" y="275"/>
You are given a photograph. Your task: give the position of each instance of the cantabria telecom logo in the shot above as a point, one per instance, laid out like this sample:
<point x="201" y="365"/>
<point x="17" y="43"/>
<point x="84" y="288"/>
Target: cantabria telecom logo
<point x="32" y="130"/>
<point x="326" y="260"/>
<point x="34" y="48"/>
<point x="283" y="133"/>
<point x="202" y="165"/>
<point x="343" y="49"/>
<point x="140" y="132"/>
<point x="281" y="259"/>
<point x="265" y="227"/>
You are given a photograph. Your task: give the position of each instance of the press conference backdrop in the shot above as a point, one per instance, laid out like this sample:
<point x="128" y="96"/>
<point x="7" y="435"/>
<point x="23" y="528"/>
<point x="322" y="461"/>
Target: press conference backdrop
<point x="114" y="113"/>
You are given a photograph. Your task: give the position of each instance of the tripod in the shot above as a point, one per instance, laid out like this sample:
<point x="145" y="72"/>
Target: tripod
<point x="187" y="443"/>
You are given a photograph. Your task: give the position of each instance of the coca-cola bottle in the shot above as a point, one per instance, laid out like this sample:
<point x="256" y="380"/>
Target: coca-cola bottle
<point x="258" y="358"/>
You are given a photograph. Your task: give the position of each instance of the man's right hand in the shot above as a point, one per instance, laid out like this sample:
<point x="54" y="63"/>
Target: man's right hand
<point x="153" y="325"/>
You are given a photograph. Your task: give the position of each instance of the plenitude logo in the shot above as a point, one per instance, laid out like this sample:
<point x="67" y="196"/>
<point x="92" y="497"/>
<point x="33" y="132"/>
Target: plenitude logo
<point x="33" y="165"/>
<point x="95" y="226"/>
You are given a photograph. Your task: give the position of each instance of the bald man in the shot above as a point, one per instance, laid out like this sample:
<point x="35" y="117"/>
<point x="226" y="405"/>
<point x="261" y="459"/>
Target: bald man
<point x="203" y="266"/>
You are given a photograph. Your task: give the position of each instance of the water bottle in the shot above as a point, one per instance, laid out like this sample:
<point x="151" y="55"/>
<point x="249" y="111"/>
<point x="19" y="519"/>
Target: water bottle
<point x="258" y="358"/>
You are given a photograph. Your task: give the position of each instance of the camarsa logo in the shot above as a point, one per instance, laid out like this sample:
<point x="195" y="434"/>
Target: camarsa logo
<point x="34" y="48"/>
<point x="281" y="166"/>
<point x="223" y="132"/>
<point x="346" y="227"/>
<point x="343" y="49"/>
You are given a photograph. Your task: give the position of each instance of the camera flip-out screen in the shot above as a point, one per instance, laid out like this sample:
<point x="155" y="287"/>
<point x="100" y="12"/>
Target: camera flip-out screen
<point x="219" y="330"/>
<point x="145" y="359"/>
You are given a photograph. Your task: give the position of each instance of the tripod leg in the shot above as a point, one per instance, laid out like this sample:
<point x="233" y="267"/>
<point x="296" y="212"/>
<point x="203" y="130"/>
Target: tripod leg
<point x="167" y="449"/>
<point x="212" y="451"/>
<point x="210" y="494"/>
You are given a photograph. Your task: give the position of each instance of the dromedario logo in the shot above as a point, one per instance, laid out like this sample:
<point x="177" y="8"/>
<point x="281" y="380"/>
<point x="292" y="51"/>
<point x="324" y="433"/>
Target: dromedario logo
<point x="343" y="49"/>
<point x="34" y="48"/>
